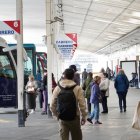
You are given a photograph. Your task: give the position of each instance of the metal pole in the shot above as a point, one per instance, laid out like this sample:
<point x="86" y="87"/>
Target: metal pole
<point x="49" y="53"/>
<point x="20" y="64"/>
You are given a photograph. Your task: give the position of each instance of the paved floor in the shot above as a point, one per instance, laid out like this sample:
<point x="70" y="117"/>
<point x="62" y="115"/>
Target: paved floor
<point x="116" y="125"/>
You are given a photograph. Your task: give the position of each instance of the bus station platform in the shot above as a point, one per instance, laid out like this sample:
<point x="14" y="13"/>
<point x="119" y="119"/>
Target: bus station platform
<point x="116" y="125"/>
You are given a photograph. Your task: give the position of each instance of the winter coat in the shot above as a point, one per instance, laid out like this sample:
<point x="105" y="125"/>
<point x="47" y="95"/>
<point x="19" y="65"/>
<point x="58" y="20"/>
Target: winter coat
<point x="45" y="82"/>
<point x="87" y="87"/>
<point x="104" y="85"/>
<point x="30" y="85"/>
<point x="95" y="94"/>
<point x="121" y="83"/>
<point x="81" y="104"/>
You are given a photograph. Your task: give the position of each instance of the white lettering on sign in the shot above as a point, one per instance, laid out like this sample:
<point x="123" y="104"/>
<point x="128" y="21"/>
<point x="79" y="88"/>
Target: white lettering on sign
<point x="9" y="27"/>
<point x="6" y="32"/>
<point x="16" y="24"/>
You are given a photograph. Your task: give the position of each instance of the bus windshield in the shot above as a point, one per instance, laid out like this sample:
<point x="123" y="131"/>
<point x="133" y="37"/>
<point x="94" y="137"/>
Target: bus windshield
<point x="5" y="67"/>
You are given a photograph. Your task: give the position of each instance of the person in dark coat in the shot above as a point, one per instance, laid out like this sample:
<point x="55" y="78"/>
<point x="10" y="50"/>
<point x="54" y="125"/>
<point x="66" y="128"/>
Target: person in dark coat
<point x="84" y="75"/>
<point x="45" y="94"/>
<point x="76" y="74"/>
<point x="121" y="85"/>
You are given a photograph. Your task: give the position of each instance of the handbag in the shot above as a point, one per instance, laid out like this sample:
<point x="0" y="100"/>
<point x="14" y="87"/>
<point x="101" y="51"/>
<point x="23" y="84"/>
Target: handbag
<point x="31" y="90"/>
<point x="136" y="118"/>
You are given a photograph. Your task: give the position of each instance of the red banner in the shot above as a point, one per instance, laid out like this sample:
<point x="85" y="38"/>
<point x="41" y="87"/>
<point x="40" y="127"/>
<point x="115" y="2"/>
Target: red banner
<point x="72" y="36"/>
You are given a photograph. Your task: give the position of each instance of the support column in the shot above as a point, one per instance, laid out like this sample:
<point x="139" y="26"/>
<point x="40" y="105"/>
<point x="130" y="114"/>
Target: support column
<point x="49" y="53"/>
<point x="20" y="64"/>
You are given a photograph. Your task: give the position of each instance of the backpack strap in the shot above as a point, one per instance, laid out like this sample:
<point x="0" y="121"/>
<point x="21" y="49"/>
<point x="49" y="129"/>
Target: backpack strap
<point x="67" y="87"/>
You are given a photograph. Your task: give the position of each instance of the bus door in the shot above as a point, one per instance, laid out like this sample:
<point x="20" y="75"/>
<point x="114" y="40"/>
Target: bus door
<point x="8" y="81"/>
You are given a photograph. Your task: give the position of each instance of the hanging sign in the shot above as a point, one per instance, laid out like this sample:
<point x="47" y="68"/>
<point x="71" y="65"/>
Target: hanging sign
<point x="67" y="46"/>
<point x="9" y="27"/>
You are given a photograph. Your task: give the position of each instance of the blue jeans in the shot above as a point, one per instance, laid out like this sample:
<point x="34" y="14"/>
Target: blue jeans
<point x="95" y="112"/>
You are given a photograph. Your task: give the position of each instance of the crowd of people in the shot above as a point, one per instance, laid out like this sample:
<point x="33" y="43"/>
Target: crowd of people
<point x="73" y="103"/>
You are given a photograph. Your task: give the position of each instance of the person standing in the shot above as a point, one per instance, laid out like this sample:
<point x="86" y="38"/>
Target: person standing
<point x="39" y="82"/>
<point x="108" y="71"/>
<point x="45" y="94"/>
<point x="73" y="125"/>
<point x="84" y="75"/>
<point x="31" y="88"/>
<point x="104" y="87"/>
<point x="94" y="100"/>
<point x="54" y="84"/>
<point x="76" y="74"/>
<point x="87" y="90"/>
<point x="121" y="85"/>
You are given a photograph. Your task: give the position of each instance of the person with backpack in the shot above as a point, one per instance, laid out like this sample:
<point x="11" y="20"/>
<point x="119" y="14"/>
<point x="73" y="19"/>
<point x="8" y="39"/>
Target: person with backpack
<point x="67" y="104"/>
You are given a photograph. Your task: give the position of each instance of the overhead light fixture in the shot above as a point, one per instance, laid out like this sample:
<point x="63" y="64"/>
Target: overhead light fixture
<point x="134" y="21"/>
<point x="136" y="14"/>
<point x="113" y="37"/>
<point x="109" y="38"/>
<point x="124" y="29"/>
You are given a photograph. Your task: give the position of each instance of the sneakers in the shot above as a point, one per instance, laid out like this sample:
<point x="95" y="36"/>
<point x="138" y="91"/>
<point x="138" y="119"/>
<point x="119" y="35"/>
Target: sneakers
<point x="89" y="120"/>
<point x="32" y="111"/>
<point x="43" y="113"/>
<point x="97" y="122"/>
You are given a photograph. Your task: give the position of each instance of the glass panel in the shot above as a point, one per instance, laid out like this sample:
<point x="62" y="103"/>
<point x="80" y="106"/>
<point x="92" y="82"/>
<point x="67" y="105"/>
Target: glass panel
<point x="5" y="67"/>
<point x="28" y="66"/>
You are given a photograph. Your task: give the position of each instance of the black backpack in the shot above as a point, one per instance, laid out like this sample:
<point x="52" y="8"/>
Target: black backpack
<point x="66" y="103"/>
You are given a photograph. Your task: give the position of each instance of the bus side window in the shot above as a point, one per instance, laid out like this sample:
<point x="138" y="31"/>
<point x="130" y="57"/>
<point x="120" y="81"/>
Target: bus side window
<point x="6" y="69"/>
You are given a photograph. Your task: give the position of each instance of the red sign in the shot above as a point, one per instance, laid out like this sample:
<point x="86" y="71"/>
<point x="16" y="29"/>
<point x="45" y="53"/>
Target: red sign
<point x="9" y="27"/>
<point x="73" y="36"/>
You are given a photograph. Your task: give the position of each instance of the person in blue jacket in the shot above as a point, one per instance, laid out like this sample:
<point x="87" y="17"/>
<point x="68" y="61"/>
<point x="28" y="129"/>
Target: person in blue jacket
<point x="121" y="85"/>
<point x="94" y="100"/>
